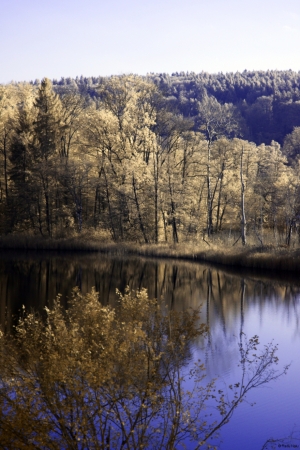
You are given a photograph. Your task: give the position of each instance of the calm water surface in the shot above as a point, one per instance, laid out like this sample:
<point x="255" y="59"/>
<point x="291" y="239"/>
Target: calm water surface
<point x="263" y="304"/>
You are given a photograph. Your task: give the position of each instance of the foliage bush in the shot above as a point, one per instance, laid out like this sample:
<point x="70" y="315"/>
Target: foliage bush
<point x="95" y="377"/>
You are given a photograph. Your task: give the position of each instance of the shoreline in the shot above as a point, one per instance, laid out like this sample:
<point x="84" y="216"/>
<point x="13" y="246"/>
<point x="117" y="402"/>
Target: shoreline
<point x="252" y="257"/>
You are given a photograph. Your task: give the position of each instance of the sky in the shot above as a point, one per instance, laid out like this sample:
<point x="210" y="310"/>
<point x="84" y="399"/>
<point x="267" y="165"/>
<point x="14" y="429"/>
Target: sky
<point x="69" y="38"/>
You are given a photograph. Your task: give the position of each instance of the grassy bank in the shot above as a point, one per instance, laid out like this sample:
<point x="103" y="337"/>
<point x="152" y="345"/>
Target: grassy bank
<point x="252" y="256"/>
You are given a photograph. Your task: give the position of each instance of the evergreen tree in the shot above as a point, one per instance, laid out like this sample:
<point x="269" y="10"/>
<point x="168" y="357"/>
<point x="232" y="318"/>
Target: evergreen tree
<point x="48" y="129"/>
<point x="23" y="211"/>
<point x="48" y="126"/>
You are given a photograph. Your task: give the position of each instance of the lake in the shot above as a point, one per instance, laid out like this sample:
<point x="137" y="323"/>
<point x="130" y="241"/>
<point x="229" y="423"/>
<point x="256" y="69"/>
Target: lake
<point x="255" y="303"/>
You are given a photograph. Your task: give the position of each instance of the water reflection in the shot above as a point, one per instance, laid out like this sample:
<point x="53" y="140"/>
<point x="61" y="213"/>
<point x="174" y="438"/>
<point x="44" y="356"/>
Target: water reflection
<point x="232" y="303"/>
<point x="34" y="279"/>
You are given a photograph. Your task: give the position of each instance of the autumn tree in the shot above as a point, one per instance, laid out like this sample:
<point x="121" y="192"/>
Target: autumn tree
<point x="215" y="120"/>
<point x="73" y="111"/>
<point x="223" y="164"/>
<point x="272" y="175"/>
<point x="120" y="138"/>
<point x="291" y="146"/>
<point x="171" y="164"/>
<point x="245" y="154"/>
<point x="74" y="179"/>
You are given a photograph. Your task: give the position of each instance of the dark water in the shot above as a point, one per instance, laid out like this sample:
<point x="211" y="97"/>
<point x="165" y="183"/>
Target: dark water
<point x="263" y="304"/>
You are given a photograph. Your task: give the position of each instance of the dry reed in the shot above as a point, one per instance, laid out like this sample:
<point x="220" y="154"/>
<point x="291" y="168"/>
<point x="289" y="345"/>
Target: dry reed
<point x="255" y="257"/>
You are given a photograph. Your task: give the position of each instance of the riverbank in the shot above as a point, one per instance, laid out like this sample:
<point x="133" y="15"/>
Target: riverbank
<point x="251" y="256"/>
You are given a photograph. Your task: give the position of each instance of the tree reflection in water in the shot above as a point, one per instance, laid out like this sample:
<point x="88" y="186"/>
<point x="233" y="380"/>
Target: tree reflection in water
<point x="232" y="302"/>
<point x="93" y="376"/>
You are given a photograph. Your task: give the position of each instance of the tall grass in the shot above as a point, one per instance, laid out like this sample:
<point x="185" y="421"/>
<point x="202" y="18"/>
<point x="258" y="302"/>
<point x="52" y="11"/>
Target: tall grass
<point x="226" y="251"/>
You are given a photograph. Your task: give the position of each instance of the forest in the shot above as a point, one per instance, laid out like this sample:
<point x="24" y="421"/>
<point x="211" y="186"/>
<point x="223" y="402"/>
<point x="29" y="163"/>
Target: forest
<point x="151" y="159"/>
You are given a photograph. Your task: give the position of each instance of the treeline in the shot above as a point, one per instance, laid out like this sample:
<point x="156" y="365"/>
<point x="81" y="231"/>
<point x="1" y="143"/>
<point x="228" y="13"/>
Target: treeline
<point x="267" y="102"/>
<point x="119" y="155"/>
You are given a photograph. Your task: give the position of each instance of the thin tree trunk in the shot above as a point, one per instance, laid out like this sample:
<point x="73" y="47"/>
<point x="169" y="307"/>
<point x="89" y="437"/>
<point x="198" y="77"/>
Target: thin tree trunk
<point x="109" y="207"/>
<point x="47" y="204"/>
<point x="174" y="227"/>
<point x="165" y="224"/>
<point x="96" y="205"/>
<point x="5" y="166"/>
<point x="40" y="217"/>
<point x="155" y="162"/>
<point x="219" y="197"/>
<point x="243" y="213"/>
<point x="138" y="210"/>
<point x="222" y="214"/>
<point x="200" y="200"/>
<point x="209" y="196"/>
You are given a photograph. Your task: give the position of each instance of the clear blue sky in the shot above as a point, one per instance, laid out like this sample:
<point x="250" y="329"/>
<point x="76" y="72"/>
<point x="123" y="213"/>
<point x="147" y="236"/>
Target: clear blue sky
<point x="56" y="38"/>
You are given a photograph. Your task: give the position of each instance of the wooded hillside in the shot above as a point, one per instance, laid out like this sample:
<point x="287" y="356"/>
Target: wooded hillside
<point x="149" y="159"/>
<point x="266" y="103"/>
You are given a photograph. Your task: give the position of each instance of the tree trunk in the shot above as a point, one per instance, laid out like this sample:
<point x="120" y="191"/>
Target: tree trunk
<point x="243" y="213"/>
<point x="138" y="210"/>
<point x="220" y="197"/>
<point x="209" y="194"/>
<point x="174" y="226"/>
<point x="47" y="203"/>
<point x="109" y="207"/>
<point x="5" y="166"/>
<point x="155" y="163"/>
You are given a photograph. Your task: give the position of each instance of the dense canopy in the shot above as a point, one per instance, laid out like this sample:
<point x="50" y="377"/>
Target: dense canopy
<point x="151" y="159"/>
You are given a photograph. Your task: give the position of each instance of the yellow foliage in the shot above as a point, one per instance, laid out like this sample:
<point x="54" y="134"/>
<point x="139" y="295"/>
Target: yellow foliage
<point x="96" y="377"/>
